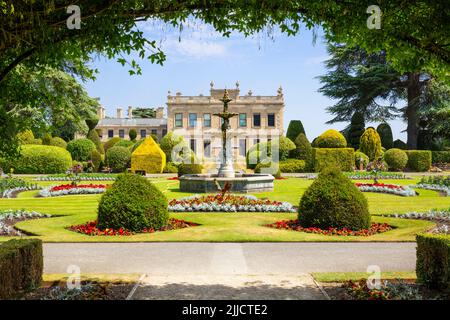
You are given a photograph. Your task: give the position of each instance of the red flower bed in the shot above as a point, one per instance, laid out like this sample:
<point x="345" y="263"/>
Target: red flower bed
<point x="383" y="185"/>
<point x="90" y="228"/>
<point x="79" y="186"/>
<point x="295" y="226"/>
<point x="173" y="178"/>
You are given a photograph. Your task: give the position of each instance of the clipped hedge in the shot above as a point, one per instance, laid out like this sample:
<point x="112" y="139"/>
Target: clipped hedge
<point x="110" y="143"/>
<point x="433" y="260"/>
<point x="118" y="158"/>
<point x="125" y="143"/>
<point x="148" y="157"/>
<point x="21" y="266"/>
<point x="399" y="144"/>
<point x="81" y="149"/>
<point x="94" y="137"/>
<point x="419" y="160"/>
<point x="36" y="159"/>
<point x="294" y="129"/>
<point x="170" y="168"/>
<point x="440" y="156"/>
<point x="58" y="142"/>
<point x="292" y="166"/>
<point x="189" y="168"/>
<point x="396" y="159"/>
<point x="266" y="167"/>
<point x="331" y="139"/>
<point x="344" y="158"/>
<point x="361" y="158"/>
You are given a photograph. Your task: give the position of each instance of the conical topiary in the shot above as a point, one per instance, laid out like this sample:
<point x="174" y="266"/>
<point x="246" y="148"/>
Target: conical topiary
<point x="356" y="130"/>
<point x="370" y="144"/>
<point x="333" y="200"/>
<point x="385" y="132"/>
<point x="303" y="151"/>
<point x="294" y="129"/>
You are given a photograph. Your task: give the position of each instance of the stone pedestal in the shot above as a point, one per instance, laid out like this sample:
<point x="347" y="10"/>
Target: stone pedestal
<point x="226" y="170"/>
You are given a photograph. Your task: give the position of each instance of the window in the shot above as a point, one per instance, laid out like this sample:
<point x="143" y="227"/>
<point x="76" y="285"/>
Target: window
<point x="271" y="119"/>
<point x="121" y="133"/>
<point x="256" y="120"/>
<point x="178" y="120"/>
<point x="207" y="148"/>
<point x="155" y="132"/>
<point x="110" y="133"/>
<point x="143" y="133"/>
<point x="242" y="119"/>
<point x="207" y="119"/>
<point x="192" y="120"/>
<point x="193" y="144"/>
<point x="242" y="147"/>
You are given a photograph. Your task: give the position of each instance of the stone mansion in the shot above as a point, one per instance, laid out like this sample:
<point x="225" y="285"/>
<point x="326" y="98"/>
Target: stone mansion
<point x="259" y="118"/>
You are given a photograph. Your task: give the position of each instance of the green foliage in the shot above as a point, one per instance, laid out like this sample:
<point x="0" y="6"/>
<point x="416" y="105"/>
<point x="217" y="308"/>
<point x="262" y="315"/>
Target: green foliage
<point x="424" y="140"/>
<point x="331" y="139"/>
<point x="118" y="158"/>
<point x="132" y="203"/>
<point x="399" y="144"/>
<point x="36" y="159"/>
<point x="132" y="134"/>
<point x="92" y="123"/>
<point x="303" y="151"/>
<point x="284" y="145"/>
<point x="81" y="149"/>
<point x="333" y="200"/>
<point x="21" y="267"/>
<point x="294" y="129"/>
<point x="370" y="144"/>
<point x="385" y="132"/>
<point x="323" y="158"/>
<point x="110" y="143"/>
<point x="189" y="168"/>
<point x="154" y="137"/>
<point x="419" y="160"/>
<point x="174" y="145"/>
<point x="361" y="158"/>
<point x="292" y="166"/>
<point x="396" y="159"/>
<point x="137" y="144"/>
<point x="356" y="129"/>
<point x="440" y="156"/>
<point x="96" y="159"/>
<point x="47" y="139"/>
<point x="27" y="137"/>
<point x="125" y="143"/>
<point x="433" y="260"/>
<point x="170" y="168"/>
<point x="269" y="168"/>
<point x="58" y="142"/>
<point x="252" y="159"/>
<point x="144" y="113"/>
<point x="93" y="136"/>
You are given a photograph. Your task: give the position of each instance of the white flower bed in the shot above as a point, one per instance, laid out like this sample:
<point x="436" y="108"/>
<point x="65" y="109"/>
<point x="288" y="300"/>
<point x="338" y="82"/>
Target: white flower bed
<point x="46" y="193"/>
<point x="401" y="191"/>
<point x="17" y="214"/>
<point x="79" y="179"/>
<point x="443" y="215"/>
<point x="10" y="192"/>
<point x="434" y="187"/>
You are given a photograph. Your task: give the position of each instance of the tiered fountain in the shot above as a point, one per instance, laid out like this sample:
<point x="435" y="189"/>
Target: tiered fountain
<point x="237" y="182"/>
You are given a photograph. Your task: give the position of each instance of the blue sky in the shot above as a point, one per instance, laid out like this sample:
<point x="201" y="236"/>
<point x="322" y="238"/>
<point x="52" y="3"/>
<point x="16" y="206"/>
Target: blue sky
<point x="260" y="63"/>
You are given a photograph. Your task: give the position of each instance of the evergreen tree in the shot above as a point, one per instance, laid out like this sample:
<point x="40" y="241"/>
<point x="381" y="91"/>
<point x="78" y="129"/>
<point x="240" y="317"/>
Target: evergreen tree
<point x="370" y="144"/>
<point x="356" y="129"/>
<point x="294" y="129"/>
<point x="385" y="132"/>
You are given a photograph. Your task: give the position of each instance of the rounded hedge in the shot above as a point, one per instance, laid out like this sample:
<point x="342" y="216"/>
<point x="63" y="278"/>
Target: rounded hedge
<point x="58" y="142"/>
<point x="370" y="144"/>
<point x="333" y="200"/>
<point x="124" y="143"/>
<point x="118" y="158"/>
<point x="292" y="166"/>
<point x="170" y="168"/>
<point x="399" y="144"/>
<point x="36" y="159"/>
<point x="189" y="168"/>
<point x="396" y="159"/>
<point x="331" y="139"/>
<point x="110" y="143"/>
<point x="268" y="165"/>
<point x="361" y="158"/>
<point x="81" y="149"/>
<point x="132" y="203"/>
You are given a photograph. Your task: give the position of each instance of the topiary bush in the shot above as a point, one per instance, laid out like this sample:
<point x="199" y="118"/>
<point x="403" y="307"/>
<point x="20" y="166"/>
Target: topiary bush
<point x="118" y="158"/>
<point x="385" y="132"/>
<point x="361" y="158"/>
<point x="267" y="167"/>
<point x="357" y="127"/>
<point x="132" y="203"/>
<point x="419" y="160"/>
<point x="182" y="152"/>
<point x="81" y="149"/>
<point x="58" y="142"/>
<point x="370" y="144"/>
<point x="110" y="143"/>
<point x="333" y="200"/>
<point x="148" y="157"/>
<point x="189" y="168"/>
<point x="96" y="159"/>
<point x="396" y="159"/>
<point x="132" y="134"/>
<point x="399" y="144"/>
<point x="323" y="158"/>
<point x="27" y="137"/>
<point x="93" y="136"/>
<point x="424" y="139"/>
<point x="331" y="139"/>
<point x="292" y="166"/>
<point x="170" y="168"/>
<point x="294" y="129"/>
<point x="47" y="139"/>
<point x="36" y="159"/>
<point x="125" y="143"/>
<point x="440" y="156"/>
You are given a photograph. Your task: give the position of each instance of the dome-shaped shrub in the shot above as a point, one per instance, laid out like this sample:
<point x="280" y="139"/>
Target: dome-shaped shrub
<point x="125" y="143"/>
<point x="333" y="200"/>
<point x="331" y="139"/>
<point x="133" y="135"/>
<point x="94" y="137"/>
<point x="385" y="132"/>
<point x="110" y="143"/>
<point x="132" y="203"/>
<point x="118" y="158"/>
<point x="361" y="158"/>
<point x="266" y="167"/>
<point x="96" y="159"/>
<point x="36" y="159"/>
<point x="81" y="149"/>
<point x="370" y="144"/>
<point x="399" y="144"/>
<point x="396" y="159"/>
<point x="58" y="142"/>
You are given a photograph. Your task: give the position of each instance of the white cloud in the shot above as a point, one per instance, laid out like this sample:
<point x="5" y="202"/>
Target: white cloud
<point x="196" y="48"/>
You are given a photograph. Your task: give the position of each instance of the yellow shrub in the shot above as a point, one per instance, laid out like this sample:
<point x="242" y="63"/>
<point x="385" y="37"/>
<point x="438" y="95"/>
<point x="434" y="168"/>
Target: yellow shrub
<point x="148" y="157"/>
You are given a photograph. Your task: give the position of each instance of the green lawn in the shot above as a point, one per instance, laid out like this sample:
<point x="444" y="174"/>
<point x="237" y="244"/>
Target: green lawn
<point x="355" y="276"/>
<point x="239" y="227"/>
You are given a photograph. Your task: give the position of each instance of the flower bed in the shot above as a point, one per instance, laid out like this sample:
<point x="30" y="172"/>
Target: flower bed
<point x="389" y="290"/>
<point x="9" y="218"/>
<point x="403" y="191"/>
<point x="228" y="203"/>
<point x="80" y="177"/>
<point x="371" y="176"/>
<point x="69" y="189"/>
<point x="435" y="187"/>
<point x="434" y="215"/>
<point x="91" y="229"/>
<point x="12" y="193"/>
<point x="9" y="187"/>
<point x="294" y="225"/>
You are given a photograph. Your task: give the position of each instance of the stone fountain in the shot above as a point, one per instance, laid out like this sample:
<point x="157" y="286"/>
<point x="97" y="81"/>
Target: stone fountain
<point x="237" y="182"/>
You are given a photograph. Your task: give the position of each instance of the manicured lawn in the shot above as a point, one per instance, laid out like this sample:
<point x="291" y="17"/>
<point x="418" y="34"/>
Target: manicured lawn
<point x="239" y="227"/>
<point x="355" y="276"/>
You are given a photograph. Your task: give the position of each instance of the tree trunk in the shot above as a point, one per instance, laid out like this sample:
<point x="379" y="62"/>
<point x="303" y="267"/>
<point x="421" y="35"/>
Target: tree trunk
<point x="412" y="116"/>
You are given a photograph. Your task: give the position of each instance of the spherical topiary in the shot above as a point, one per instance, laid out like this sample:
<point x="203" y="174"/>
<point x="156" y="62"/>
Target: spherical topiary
<point x="118" y="158"/>
<point x="132" y="134"/>
<point x="361" y="158"/>
<point x="294" y="129"/>
<point x="125" y="143"/>
<point x="331" y="139"/>
<point x="81" y="149"/>
<point x="132" y="203"/>
<point x="396" y="159"/>
<point x="385" y="132"/>
<point x="370" y="144"/>
<point x="93" y="136"/>
<point x="333" y="200"/>
<point x="170" y="141"/>
<point x="58" y="142"/>
<point x="110" y="143"/>
<point x="36" y="159"/>
<point x="27" y="137"/>
<point x="399" y="144"/>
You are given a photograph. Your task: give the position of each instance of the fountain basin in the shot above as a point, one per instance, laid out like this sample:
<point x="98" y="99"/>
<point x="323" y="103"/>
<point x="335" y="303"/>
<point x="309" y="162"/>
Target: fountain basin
<point x="246" y="183"/>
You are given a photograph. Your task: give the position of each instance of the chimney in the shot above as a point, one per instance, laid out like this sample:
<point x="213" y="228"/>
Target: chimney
<point x="101" y="112"/>
<point x="119" y="113"/>
<point x="130" y="112"/>
<point x="160" y="113"/>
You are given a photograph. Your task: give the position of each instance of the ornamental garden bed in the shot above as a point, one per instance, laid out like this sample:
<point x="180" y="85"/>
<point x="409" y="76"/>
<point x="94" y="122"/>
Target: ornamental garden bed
<point x="91" y="228"/>
<point x="228" y="203"/>
<point x="379" y="175"/>
<point x="294" y="225"/>
<point x="71" y="189"/>
<point x="440" y="217"/>
<point x="9" y="218"/>
<point x="403" y="191"/>
<point x="443" y="190"/>
<point x="79" y="177"/>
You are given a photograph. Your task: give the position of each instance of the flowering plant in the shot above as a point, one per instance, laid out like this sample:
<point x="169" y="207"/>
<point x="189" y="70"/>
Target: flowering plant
<point x="7" y="216"/>
<point x="386" y="188"/>
<point x="67" y="189"/>
<point x="228" y="203"/>
<point x="435" y="187"/>
<point x="80" y="177"/>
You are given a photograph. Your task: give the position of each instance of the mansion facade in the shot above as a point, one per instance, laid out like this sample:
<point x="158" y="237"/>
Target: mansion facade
<point x="258" y="119"/>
